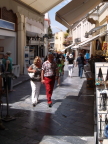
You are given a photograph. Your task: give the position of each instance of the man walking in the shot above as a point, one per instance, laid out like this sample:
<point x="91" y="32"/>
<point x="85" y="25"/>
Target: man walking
<point x="80" y="62"/>
<point x="48" y="75"/>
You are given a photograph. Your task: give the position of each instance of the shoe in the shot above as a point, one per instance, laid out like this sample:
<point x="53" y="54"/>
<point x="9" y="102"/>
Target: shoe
<point x="2" y="126"/>
<point x="58" y="85"/>
<point x="37" y="101"/>
<point x="50" y="104"/>
<point x="34" y="104"/>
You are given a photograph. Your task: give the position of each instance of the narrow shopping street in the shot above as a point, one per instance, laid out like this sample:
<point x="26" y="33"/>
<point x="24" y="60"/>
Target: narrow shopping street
<point x="69" y="121"/>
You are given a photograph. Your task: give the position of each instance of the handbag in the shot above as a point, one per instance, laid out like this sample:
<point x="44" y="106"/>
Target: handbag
<point x="31" y="75"/>
<point x="35" y="76"/>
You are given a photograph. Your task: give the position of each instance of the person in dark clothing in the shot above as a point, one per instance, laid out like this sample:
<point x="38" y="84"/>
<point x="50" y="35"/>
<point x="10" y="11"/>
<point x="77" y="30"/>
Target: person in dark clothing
<point x="45" y="59"/>
<point x="8" y="68"/>
<point x="80" y="62"/>
<point x="70" y="64"/>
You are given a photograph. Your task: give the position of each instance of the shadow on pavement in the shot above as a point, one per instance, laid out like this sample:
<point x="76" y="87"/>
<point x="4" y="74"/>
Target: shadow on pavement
<point x="68" y="120"/>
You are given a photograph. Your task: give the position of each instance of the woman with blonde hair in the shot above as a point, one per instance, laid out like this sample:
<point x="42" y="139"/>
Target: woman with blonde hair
<point x="36" y="81"/>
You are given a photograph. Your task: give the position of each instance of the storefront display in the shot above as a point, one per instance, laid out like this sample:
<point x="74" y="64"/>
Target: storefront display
<point x="101" y="74"/>
<point x="28" y="58"/>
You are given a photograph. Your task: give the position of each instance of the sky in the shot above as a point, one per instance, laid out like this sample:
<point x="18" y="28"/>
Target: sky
<point x="56" y="26"/>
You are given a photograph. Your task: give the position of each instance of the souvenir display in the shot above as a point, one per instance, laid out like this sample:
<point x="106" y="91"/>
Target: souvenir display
<point x="101" y="82"/>
<point x="100" y="133"/>
<point x="103" y="101"/>
<point x="106" y="80"/>
<point x="99" y="79"/>
<point x="106" y="127"/>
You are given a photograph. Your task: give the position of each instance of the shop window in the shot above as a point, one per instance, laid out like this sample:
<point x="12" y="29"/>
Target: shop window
<point x="9" y="16"/>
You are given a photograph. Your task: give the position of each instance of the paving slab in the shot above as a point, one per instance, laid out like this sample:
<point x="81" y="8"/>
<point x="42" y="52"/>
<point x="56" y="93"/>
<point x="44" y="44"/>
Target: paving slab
<point x="69" y="121"/>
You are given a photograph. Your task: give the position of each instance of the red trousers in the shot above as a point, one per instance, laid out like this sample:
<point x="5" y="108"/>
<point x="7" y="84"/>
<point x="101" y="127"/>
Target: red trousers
<point x="49" y="85"/>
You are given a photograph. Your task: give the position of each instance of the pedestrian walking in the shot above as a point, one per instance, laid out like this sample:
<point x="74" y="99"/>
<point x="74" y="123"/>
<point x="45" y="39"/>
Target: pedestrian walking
<point x="80" y="62"/>
<point x="36" y="81"/>
<point x="42" y="59"/>
<point x="60" y="71"/>
<point x="48" y="76"/>
<point x="45" y="59"/>
<point x="70" y="65"/>
<point x="63" y="63"/>
<point x="67" y="56"/>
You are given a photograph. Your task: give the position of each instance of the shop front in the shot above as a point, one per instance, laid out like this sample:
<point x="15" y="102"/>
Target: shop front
<point x="8" y="37"/>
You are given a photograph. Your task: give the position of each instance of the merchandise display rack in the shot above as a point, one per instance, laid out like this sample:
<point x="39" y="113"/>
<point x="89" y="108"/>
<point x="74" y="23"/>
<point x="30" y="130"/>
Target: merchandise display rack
<point x="102" y="104"/>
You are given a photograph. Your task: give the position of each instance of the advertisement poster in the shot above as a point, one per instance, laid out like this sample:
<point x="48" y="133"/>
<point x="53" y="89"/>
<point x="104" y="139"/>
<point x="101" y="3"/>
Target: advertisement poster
<point x="27" y="48"/>
<point x="31" y="54"/>
<point x="26" y="59"/>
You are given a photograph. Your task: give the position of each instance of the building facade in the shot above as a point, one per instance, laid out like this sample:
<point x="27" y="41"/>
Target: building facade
<point x="23" y="26"/>
<point x="59" y="39"/>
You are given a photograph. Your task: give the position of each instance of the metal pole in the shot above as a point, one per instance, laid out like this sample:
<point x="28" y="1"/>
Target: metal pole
<point x="7" y="98"/>
<point x="8" y="117"/>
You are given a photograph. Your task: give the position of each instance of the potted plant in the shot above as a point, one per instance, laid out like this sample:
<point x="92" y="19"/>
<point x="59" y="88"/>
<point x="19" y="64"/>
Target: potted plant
<point x="66" y="35"/>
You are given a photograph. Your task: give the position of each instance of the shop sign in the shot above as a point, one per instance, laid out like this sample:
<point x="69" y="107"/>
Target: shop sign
<point x="7" y="25"/>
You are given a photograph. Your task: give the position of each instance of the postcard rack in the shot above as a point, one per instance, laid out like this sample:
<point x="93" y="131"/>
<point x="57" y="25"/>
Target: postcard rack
<point x="102" y="103"/>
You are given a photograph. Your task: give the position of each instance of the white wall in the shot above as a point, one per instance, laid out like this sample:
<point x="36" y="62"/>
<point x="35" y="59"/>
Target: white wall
<point x="34" y="29"/>
<point x="7" y="33"/>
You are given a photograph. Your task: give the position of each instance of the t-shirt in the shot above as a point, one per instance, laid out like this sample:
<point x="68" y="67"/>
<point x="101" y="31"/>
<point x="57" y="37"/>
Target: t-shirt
<point x="37" y="73"/>
<point x="9" y="65"/>
<point x="62" y="61"/>
<point x="87" y="55"/>
<point x="70" y="60"/>
<point x="49" y="68"/>
<point x="59" y="67"/>
<point x="80" y="60"/>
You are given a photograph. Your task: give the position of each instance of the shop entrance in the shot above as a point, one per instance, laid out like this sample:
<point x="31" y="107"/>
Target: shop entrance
<point x="8" y="43"/>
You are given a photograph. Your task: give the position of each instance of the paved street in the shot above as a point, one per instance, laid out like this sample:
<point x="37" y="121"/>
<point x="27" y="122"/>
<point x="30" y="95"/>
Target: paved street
<point x="69" y="121"/>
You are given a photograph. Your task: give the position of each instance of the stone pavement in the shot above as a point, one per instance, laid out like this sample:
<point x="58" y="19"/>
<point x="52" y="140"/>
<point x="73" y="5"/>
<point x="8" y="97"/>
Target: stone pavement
<point x="69" y="121"/>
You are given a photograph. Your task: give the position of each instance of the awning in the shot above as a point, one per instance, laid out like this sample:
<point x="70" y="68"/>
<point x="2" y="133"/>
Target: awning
<point x="69" y="46"/>
<point x="62" y="50"/>
<point x="33" y="9"/>
<point x="51" y="49"/>
<point x="75" y="10"/>
<point x="88" y="40"/>
<point x="91" y="39"/>
<point x="75" y="47"/>
<point x="85" y="48"/>
<point x="41" y="6"/>
<point x="96" y="28"/>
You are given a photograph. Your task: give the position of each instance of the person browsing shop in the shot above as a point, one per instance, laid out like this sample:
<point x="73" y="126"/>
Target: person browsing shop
<point x="7" y="68"/>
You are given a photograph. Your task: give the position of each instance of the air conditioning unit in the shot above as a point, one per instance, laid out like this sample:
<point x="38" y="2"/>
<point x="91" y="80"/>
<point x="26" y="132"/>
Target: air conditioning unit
<point x="77" y="40"/>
